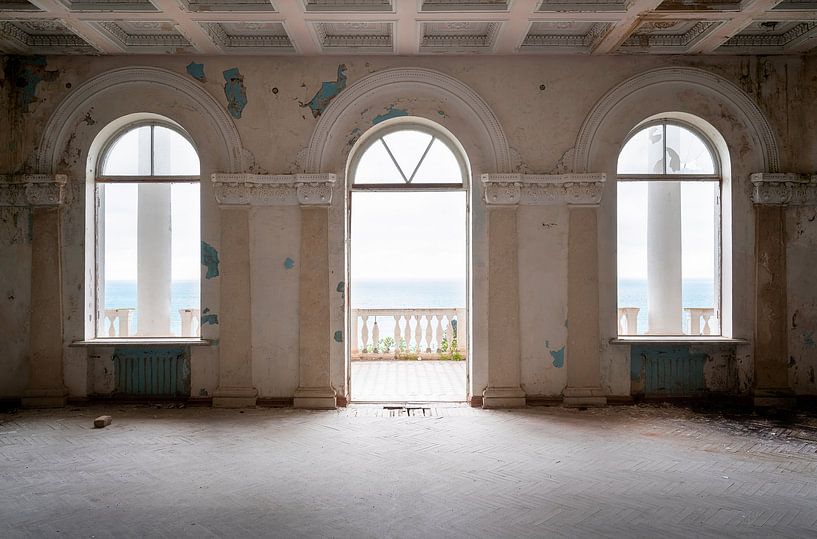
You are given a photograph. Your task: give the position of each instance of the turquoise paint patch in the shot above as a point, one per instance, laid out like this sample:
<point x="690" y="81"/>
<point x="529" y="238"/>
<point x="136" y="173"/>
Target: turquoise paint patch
<point x="558" y="357"/>
<point x="209" y="319"/>
<point x="338" y="336"/>
<point x="25" y="73"/>
<point x="196" y="71"/>
<point x="329" y="90"/>
<point x="235" y="92"/>
<point x="209" y="259"/>
<point x="289" y="263"/>
<point x="390" y="113"/>
<point x="340" y="287"/>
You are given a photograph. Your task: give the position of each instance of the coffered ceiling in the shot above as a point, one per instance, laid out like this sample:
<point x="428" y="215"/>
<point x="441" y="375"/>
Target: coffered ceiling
<point x="407" y="27"/>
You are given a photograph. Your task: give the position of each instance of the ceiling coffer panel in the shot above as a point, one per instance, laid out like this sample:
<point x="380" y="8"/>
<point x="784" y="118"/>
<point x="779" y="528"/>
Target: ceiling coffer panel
<point x="668" y="36"/>
<point x="773" y="37"/>
<point x="564" y="36"/>
<point x="249" y="36"/>
<point x="17" y="5"/>
<point x="229" y="5"/>
<point x="465" y="5"/>
<point x="458" y="36"/>
<point x="40" y="36"/>
<point x="583" y="5"/>
<point x="145" y="36"/>
<point x="348" y="5"/>
<point x="355" y="36"/>
<point x="109" y="5"/>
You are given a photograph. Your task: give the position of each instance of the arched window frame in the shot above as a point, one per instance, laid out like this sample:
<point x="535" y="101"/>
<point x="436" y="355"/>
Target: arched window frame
<point x="103" y="152"/>
<point x="436" y="134"/>
<point x="717" y="176"/>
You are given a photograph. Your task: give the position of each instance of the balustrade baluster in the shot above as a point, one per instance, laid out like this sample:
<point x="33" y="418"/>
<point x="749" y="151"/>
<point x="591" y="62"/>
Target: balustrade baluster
<point x="354" y="337"/>
<point x="375" y="337"/>
<point x="429" y="322"/>
<point x="438" y="334"/>
<point x="449" y="333"/>
<point x="418" y="333"/>
<point x="461" y="333"/>
<point x="364" y="331"/>
<point x="397" y="333"/>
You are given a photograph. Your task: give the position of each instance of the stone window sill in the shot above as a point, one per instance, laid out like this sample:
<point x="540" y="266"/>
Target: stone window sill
<point x="136" y="341"/>
<point x="680" y="339"/>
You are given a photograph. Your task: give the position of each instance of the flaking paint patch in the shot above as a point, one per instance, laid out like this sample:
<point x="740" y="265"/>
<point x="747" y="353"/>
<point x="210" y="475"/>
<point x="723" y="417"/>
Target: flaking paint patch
<point x="209" y="318"/>
<point x="289" y="263"/>
<point x="25" y="73"/>
<point x="808" y="339"/>
<point x="342" y="289"/>
<point x="338" y="336"/>
<point x="558" y="357"/>
<point x="329" y="90"/>
<point x="209" y="259"/>
<point x="196" y="71"/>
<point x="391" y="112"/>
<point x="235" y="92"/>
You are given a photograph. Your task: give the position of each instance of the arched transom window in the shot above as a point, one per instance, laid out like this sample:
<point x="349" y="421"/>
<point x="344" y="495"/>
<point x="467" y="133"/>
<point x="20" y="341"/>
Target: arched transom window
<point x="669" y="228"/>
<point x="408" y="157"/>
<point x="147" y="234"/>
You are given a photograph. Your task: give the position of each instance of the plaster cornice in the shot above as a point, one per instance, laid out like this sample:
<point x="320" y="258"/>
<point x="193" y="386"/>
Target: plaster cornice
<point x="543" y="189"/>
<point x="784" y="189"/>
<point x="273" y="189"/>
<point x="32" y="189"/>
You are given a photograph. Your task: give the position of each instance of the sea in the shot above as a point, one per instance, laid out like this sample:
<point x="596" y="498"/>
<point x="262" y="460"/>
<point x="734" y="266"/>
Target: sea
<point x="386" y="294"/>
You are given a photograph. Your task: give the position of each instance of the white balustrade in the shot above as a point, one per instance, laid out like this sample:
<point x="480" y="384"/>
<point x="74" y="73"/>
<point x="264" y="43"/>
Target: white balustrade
<point x="414" y="333"/>
<point x="696" y="316"/>
<point x="118" y="322"/>
<point x="191" y="322"/>
<point x="628" y="320"/>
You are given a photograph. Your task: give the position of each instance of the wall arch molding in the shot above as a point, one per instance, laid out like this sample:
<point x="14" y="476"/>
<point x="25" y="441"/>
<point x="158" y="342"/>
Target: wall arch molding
<point x="681" y="77"/>
<point x="326" y="140"/>
<point x="57" y="131"/>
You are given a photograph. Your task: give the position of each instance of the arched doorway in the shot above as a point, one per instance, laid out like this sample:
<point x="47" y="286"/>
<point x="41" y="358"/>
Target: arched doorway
<point x="407" y="264"/>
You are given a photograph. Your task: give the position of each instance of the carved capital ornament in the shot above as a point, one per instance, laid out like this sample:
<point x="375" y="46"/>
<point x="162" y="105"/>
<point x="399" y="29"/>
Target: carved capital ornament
<point x="784" y="189"/>
<point x="543" y="189"/>
<point x="273" y="189"/>
<point x="32" y="189"/>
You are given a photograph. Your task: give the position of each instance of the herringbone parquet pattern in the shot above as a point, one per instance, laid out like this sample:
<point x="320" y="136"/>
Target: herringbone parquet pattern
<point x="368" y="472"/>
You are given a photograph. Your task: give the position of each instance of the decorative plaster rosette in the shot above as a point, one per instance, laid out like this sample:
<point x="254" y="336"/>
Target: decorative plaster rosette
<point x="273" y="189"/>
<point x="784" y="189"/>
<point x="534" y="189"/>
<point x="32" y="189"/>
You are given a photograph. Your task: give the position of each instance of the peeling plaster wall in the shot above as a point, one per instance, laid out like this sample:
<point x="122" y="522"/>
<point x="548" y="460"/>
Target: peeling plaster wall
<point x="801" y="240"/>
<point x="541" y="104"/>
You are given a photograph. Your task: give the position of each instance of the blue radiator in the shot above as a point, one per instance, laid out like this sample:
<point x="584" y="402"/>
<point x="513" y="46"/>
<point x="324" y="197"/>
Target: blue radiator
<point x="667" y="371"/>
<point x="154" y="372"/>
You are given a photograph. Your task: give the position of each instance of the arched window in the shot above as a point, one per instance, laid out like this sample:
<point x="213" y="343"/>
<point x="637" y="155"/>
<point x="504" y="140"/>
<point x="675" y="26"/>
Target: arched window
<point x="147" y="233"/>
<point x="408" y="157"/>
<point x="669" y="246"/>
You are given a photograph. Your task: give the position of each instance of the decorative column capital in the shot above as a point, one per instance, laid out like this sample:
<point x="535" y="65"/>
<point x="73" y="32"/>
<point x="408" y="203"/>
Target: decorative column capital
<point x="273" y="189"/>
<point x="783" y="189"/>
<point x="543" y="189"/>
<point x="32" y="189"/>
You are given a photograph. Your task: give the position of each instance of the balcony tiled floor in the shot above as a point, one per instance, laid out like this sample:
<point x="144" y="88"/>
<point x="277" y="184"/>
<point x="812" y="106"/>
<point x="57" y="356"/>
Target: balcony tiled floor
<point x="418" y="381"/>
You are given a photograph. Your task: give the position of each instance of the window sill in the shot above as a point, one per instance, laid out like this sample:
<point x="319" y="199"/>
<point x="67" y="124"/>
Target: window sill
<point x="139" y="341"/>
<point x="672" y="339"/>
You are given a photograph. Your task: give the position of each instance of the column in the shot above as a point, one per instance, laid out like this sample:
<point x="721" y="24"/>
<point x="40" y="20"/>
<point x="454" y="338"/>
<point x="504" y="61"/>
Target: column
<point x="235" y="389"/>
<point x="314" y="388"/>
<point x="583" y="340"/>
<point x="772" y="193"/>
<point x="46" y="386"/>
<point x="153" y="262"/>
<point x="665" y="309"/>
<point x="504" y="371"/>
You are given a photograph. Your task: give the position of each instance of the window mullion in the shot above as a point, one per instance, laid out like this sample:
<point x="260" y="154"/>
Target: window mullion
<point x="420" y="162"/>
<point x="400" y="170"/>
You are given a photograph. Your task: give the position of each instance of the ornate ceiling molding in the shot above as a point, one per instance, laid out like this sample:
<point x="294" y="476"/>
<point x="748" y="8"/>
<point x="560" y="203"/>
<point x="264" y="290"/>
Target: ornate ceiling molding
<point x="543" y="189"/>
<point x="32" y="190"/>
<point x="784" y="189"/>
<point x="273" y="189"/>
<point x="61" y="124"/>
<point x="727" y="91"/>
<point x="373" y="88"/>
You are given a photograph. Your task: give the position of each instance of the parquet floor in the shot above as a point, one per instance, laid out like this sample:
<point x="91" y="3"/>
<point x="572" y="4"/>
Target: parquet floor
<point x="439" y="471"/>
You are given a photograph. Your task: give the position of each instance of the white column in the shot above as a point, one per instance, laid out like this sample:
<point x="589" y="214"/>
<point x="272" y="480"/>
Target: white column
<point x="153" y="266"/>
<point x="664" y="258"/>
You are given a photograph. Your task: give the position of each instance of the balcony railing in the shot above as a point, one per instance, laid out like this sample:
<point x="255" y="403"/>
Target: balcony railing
<point x="408" y="333"/>
<point x="117" y="322"/>
<point x="697" y="321"/>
